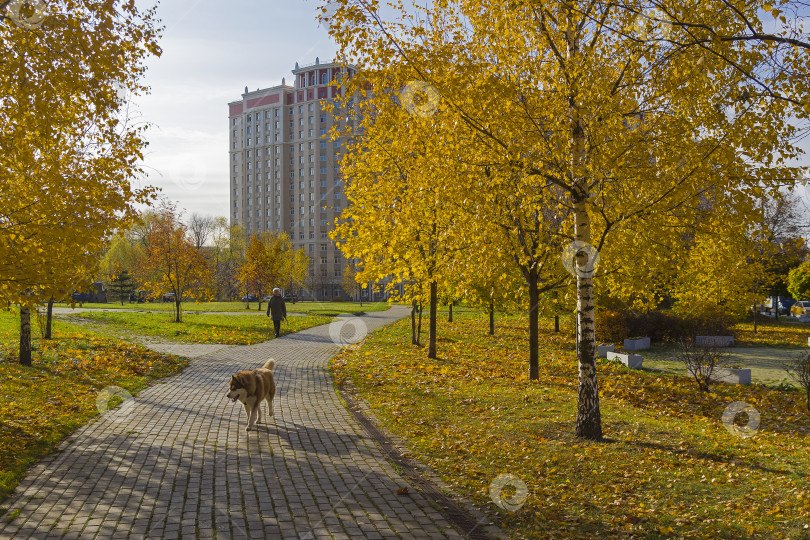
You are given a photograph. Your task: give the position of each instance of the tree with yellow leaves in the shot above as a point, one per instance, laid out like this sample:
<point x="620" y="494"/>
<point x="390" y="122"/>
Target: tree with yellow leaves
<point x="631" y="126"/>
<point x="68" y="152"/>
<point x="173" y="263"/>
<point x="270" y="261"/>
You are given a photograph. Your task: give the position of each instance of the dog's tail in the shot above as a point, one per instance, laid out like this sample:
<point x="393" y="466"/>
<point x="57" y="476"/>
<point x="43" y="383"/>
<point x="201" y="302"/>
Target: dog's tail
<point x="270" y="364"/>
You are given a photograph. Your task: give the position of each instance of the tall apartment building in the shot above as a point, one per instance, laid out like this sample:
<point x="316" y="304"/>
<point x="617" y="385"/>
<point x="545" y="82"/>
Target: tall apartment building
<point x="284" y="169"/>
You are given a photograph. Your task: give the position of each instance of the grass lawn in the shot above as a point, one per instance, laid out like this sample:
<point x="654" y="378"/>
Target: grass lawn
<point x="669" y="468"/>
<point x="197" y="327"/>
<point x="315" y="308"/>
<point x="44" y="403"/>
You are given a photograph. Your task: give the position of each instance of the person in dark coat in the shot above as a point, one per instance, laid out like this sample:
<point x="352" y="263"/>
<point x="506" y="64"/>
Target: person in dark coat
<point x="278" y="309"/>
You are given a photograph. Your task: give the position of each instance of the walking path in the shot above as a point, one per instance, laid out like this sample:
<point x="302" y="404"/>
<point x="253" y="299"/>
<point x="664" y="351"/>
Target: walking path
<point x="177" y="462"/>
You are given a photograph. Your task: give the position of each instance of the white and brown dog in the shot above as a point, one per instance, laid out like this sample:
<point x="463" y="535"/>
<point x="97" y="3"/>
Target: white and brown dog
<point x="251" y="388"/>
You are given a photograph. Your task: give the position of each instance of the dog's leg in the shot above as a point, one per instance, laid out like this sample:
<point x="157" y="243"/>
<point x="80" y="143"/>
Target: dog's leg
<point x="252" y="419"/>
<point x="270" y="412"/>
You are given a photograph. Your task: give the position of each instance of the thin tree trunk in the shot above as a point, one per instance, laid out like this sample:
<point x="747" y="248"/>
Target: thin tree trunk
<point x="25" y="336"/>
<point x="534" y="341"/>
<point x="178" y="317"/>
<point x="433" y="306"/>
<point x="556" y="323"/>
<point x="419" y="327"/>
<point x="755" y="317"/>
<point x="413" y="323"/>
<point x="450" y="316"/>
<point x="491" y="318"/>
<point x="48" y="319"/>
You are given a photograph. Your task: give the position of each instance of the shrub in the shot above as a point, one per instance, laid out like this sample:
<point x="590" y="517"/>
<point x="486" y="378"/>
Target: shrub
<point x="799" y="371"/>
<point x="611" y="326"/>
<point x="659" y="326"/>
<point x="700" y="362"/>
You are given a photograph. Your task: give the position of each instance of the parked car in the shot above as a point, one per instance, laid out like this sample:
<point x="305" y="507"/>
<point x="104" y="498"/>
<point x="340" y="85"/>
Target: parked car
<point x="81" y="297"/>
<point x="169" y="297"/>
<point x="250" y="298"/>
<point x="784" y="303"/>
<point x="801" y="307"/>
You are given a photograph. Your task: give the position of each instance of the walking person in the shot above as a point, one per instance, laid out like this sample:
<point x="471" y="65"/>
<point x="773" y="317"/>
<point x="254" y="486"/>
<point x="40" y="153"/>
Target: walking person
<point x="278" y="309"/>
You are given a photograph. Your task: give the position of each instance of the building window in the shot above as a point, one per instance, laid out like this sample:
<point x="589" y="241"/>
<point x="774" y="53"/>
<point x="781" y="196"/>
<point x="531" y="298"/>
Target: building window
<point x="323" y="157"/>
<point x="323" y="170"/>
<point x="312" y="248"/>
<point x="323" y="247"/>
<point x="323" y="131"/>
<point x="323" y="144"/>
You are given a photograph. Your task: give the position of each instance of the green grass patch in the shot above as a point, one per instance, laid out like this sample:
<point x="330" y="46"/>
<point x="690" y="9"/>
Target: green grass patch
<point x="44" y="403"/>
<point x="198" y="327"/>
<point x="315" y="308"/>
<point x="668" y="468"/>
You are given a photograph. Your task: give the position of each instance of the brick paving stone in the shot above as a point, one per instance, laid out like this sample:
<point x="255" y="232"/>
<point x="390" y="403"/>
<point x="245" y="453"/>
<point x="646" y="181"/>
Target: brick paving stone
<point x="179" y="459"/>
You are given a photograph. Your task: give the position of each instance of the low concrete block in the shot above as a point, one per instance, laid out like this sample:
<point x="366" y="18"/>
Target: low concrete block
<point x="636" y="344"/>
<point x="733" y="376"/>
<point x="633" y="361"/>
<point x="604" y="348"/>
<point x="714" y="341"/>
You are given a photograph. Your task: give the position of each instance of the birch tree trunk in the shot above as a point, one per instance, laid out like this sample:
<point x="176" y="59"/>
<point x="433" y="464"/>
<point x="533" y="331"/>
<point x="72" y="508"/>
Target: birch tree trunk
<point x="589" y="418"/>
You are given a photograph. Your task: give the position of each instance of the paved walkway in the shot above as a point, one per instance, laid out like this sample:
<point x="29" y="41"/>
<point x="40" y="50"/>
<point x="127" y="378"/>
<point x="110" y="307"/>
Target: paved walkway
<point x="177" y="462"/>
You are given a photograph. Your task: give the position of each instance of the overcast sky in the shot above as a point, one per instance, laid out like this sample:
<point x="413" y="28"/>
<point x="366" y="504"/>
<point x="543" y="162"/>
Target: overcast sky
<point x="211" y="51"/>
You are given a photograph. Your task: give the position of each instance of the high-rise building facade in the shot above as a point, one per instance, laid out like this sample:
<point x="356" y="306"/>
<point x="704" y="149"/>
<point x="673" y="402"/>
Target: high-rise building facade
<point x="284" y="172"/>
